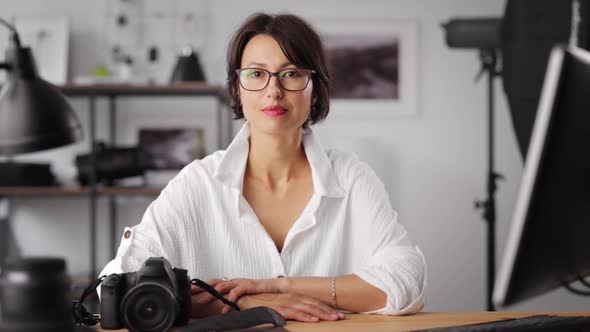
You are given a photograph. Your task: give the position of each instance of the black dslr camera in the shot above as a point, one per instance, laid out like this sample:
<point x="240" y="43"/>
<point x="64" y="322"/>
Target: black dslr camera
<point x="152" y="299"/>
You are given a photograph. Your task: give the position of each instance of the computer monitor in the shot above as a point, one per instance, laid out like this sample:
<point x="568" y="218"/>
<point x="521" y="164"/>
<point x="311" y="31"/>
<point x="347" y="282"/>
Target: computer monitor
<point x="549" y="241"/>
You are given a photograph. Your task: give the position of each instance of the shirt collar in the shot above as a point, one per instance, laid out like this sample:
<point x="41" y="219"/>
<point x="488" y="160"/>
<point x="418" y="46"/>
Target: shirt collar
<point x="230" y="170"/>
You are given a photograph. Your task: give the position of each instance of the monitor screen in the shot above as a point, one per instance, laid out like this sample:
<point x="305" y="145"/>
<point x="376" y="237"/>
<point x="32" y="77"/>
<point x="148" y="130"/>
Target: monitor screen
<point x="548" y="244"/>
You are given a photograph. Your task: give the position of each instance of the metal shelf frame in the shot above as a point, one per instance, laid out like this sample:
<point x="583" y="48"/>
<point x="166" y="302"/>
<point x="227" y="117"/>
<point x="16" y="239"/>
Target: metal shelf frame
<point x="93" y="191"/>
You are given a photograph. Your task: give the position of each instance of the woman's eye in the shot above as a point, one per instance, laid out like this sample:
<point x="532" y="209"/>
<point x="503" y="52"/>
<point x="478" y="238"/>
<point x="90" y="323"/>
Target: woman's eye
<point x="254" y="73"/>
<point x="292" y="74"/>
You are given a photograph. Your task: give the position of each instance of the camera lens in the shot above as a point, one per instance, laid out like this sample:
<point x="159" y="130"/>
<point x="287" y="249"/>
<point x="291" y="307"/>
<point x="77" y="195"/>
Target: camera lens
<point x="149" y="307"/>
<point x="34" y="296"/>
<point x="112" y="163"/>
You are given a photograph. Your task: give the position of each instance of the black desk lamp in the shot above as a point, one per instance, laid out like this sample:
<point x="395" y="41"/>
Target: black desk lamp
<point x="34" y="115"/>
<point x="187" y="68"/>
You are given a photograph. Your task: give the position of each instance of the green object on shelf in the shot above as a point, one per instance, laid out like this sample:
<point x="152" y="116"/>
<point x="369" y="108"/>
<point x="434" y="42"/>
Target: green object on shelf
<point x="101" y="71"/>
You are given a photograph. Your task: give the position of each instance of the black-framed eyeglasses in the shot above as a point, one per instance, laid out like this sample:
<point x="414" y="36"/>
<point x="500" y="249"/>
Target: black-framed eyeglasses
<point x="290" y="79"/>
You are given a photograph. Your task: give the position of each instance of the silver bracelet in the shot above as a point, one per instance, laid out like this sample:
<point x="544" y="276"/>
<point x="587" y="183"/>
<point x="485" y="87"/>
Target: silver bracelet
<point x="334" y="292"/>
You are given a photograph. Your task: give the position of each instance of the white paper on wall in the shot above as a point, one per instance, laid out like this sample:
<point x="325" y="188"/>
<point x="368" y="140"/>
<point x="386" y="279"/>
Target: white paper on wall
<point x="49" y="40"/>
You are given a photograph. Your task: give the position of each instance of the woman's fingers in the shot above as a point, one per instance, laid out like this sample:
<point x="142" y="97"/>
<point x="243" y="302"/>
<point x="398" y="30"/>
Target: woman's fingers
<point x="212" y="282"/>
<point x="323" y="306"/>
<point x="316" y="308"/>
<point x="247" y="286"/>
<point x="201" y="296"/>
<point x="291" y="313"/>
<point x="196" y="289"/>
<point x="316" y="311"/>
<point x="236" y="293"/>
<point x="201" y="299"/>
<point x="204" y="298"/>
<point x="294" y="306"/>
<point x="233" y="296"/>
<point x="232" y="290"/>
<point x="227" y="286"/>
<point x="226" y="309"/>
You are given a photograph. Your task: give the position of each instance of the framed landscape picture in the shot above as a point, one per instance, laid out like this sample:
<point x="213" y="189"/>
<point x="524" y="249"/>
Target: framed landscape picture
<point x="374" y="65"/>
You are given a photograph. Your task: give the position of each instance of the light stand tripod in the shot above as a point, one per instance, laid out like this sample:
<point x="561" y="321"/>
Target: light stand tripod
<point x="488" y="59"/>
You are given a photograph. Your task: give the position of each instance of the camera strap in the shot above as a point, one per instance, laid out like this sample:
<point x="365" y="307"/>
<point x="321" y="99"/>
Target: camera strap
<point x="214" y="292"/>
<point x="79" y="312"/>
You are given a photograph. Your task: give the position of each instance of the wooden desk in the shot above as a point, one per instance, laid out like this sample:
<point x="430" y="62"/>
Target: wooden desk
<point x="421" y="320"/>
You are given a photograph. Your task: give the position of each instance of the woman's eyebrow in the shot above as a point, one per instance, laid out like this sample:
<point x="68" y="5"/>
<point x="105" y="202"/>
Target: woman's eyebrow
<point x="262" y="65"/>
<point x="286" y="64"/>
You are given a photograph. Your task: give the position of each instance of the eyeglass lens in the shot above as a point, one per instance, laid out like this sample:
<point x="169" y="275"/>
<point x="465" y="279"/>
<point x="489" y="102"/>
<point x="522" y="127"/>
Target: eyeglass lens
<point x="293" y="79"/>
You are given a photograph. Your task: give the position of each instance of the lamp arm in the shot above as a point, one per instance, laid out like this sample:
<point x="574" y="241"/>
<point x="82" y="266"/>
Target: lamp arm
<point x="14" y="35"/>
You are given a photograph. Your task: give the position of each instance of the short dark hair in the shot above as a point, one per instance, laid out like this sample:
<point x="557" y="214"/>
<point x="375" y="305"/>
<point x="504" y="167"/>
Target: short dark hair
<point x="300" y="43"/>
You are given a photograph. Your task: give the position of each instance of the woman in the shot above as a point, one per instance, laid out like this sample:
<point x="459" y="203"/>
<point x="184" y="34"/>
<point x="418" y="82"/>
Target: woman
<point x="276" y="220"/>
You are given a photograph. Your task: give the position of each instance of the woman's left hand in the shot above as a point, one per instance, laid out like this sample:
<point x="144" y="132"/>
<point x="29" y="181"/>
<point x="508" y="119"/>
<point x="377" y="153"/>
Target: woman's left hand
<point x="236" y="288"/>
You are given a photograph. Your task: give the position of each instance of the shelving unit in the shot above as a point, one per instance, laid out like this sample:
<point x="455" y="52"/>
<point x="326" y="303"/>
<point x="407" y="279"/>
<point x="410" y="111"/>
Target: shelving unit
<point x="93" y="191"/>
<point x="77" y="191"/>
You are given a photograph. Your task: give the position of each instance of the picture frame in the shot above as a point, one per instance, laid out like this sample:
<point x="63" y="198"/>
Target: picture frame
<point x="171" y="148"/>
<point x="383" y="47"/>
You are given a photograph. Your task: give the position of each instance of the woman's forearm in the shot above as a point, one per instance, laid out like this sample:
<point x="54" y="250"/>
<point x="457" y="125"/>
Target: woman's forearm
<point x="352" y="293"/>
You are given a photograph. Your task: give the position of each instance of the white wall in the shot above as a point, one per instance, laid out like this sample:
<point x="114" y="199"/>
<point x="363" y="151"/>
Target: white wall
<point x="433" y="163"/>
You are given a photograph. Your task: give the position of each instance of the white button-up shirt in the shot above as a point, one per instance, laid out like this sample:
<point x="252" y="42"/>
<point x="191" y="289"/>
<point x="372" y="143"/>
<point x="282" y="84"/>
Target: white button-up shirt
<point x="201" y="222"/>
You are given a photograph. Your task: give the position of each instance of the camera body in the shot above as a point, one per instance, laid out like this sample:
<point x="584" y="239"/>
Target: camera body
<point x="154" y="298"/>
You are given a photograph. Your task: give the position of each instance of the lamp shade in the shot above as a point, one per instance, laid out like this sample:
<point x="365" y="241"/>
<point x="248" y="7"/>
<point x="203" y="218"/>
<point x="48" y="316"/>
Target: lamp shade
<point x="34" y="115"/>
<point x="187" y="68"/>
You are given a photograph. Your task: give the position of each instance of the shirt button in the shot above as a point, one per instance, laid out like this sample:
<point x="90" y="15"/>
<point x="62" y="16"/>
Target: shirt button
<point x="127" y="234"/>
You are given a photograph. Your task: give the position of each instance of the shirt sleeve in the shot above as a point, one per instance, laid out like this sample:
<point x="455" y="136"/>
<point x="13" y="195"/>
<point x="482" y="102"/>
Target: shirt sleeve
<point x="154" y="236"/>
<point x="394" y="265"/>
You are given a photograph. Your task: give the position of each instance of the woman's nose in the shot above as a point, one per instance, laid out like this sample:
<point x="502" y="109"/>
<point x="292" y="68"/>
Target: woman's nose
<point x="274" y="89"/>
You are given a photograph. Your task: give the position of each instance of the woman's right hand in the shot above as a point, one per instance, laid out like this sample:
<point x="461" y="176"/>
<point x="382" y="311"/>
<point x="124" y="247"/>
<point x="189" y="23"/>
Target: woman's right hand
<point x="292" y="306"/>
<point x="202" y="303"/>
